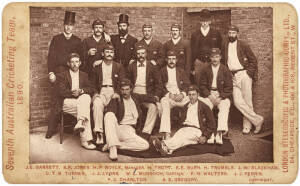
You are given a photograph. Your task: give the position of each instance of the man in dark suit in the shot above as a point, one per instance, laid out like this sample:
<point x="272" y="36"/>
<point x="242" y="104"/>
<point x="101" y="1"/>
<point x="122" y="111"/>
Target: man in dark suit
<point x="174" y="83"/>
<point x="122" y="119"/>
<point x="106" y="77"/>
<point x="60" y="47"/>
<point x="144" y="76"/>
<point x="182" y="48"/>
<point x="197" y="125"/>
<point x="243" y="64"/>
<point x="154" y="47"/>
<point x="123" y="42"/>
<point x="216" y="90"/>
<point x="202" y="41"/>
<point x="74" y="90"/>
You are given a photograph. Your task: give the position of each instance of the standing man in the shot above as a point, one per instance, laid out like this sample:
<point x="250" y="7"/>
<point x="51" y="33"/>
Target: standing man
<point x="154" y="48"/>
<point x="106" y="78"/>
<point x="144" y="76"/>
<point x="216" y="90"/>
<point x="202" y="41"/>
<point x="74" y="93"/>
<point x="182" y="48"/>
<point x="93" y="45"/>
<point x="121" y="120"/>
<point x="175" y="83"/>
<point x="123" y="42"/>
<point x="60" y="47"/>
<point x="198" y="124"/>
<point x="243" y="65"/>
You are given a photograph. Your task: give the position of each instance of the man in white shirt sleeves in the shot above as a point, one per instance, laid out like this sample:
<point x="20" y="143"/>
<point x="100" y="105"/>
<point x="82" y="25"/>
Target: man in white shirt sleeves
<point x="197" y="125"/>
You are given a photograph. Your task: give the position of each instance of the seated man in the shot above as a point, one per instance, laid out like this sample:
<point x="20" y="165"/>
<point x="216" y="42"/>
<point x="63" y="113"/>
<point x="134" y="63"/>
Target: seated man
<point x="197" y="125"/>
<point x="216" y="89"/>
<point x="175" y="83"/>
<point x="75" y="90"/>
<point x="123" y="118"/>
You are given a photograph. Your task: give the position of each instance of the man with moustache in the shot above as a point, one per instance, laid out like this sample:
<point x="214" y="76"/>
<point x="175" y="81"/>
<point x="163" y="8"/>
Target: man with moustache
<point x="216" y="90"/>
<point x="174" y="83"/>
<point x="106" y="78"/>
<point x="124" y="42"/>
<point x="197" y="125"/>
<point x="123" y="118"/>
<point x="74" y="90"/>
<point x="243" y="65"/>
<point x="60" y="47"/>
<point x="144" y="76"/>
<point x="93" y="45"/>
<point x="154" y="47"/>
<point x="181" y="47"/>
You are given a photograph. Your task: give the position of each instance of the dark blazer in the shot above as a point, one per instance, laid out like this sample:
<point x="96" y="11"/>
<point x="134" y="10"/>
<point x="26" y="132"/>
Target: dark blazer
<point x="245" y="55"/>
<point x="152" y="80"/>
<point x="205" y="116"/>
<point x="118" y="73"/>
<point x="117" y="107"/>
<point x="124" y="52"/>
<point x="182" y="80"/>
<point x="224" y="81"/>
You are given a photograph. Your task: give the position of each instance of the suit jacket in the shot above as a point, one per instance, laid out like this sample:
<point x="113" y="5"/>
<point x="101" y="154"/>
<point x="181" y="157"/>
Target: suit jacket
<point x="182" y="80"/>
<point x="184" y="53"/>
<point x="124" y="52"/>
<point x="154" y="51"/>
<point x="245" y="55"/>
<point x="205" y="116"/>
<point x="224" y="81"/>
<point x="118" y="73"/>
<point x="152" y="79"/>
<point x="117" y="107"/>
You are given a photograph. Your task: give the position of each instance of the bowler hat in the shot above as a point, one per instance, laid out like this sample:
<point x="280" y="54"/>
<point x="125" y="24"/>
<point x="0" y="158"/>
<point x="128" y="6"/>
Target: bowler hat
<point x="205" y="15"/>
<point x="69" y="18"/>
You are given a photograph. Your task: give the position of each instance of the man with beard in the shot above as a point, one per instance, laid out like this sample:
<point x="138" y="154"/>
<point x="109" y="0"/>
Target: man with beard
<point x="123" y="42"/>
<point x="175" y="83"/>
<point x="106" y="77"/>
<point x="143" y="74"/>
<point x="60" y="47"/>
<point x="197" y="125"/>
<point x="154" y="48"/>
<point x="93" y="45"/>
<point x="243" y="65"/>
<point x="121" y="120"/>
<point x="216" y="90"/>
<point x="181" y="47"/>
<point x="74" y="92"/>
<point x="202" y="41"/>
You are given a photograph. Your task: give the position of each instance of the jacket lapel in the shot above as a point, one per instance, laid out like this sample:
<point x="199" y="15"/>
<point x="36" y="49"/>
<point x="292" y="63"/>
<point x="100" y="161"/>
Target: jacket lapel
<point x="178" y="78"/>
<point x="100" y="75"/>
<point x="81" y="80"/>
<point x="134" y="72"/>
<point x="69" y="79"/>
<point x="147" y="70"/>
<point x="210" y="76"/>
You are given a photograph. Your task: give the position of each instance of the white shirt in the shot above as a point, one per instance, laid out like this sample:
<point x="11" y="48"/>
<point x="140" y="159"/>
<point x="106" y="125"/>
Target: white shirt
<point x="215" y="73"/>
<point x="97" y="39"/>
<point x="123" y="39"/>
<point x="67" y="36"/>
<point x="106" y="74"/>
<point x="172" y="81"/>
<point x="140" y="83"/>
<point x="75" y="80"/>
<point x="175" y="41"/>
<point x="204" y="31"/>
<point x="233" y="60"/>
<point x="192" y="115"/>
<point x="130" y="114"/>
<point x="148" y="41"/>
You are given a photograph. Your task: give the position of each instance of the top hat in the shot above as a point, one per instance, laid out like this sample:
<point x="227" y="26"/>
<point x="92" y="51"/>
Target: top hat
<point x="123" y="18"/>
<point x="233" y="28"/>
<point x="98" y="22"/>
<point x="205" y="15"/>
<point x="69" y="18"/>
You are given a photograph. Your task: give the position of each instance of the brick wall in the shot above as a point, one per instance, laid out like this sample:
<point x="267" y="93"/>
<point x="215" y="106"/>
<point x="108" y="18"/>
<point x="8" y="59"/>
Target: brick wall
<point x="255" y="25"/>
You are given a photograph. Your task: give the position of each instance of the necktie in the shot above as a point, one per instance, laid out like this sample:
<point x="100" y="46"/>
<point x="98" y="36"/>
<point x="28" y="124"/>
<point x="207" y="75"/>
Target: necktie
<point x="141" y="65"/>
<point x="122" y="40"/>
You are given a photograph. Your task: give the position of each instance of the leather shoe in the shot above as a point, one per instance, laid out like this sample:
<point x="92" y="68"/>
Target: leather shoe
<point x="49" y="134"/>
<point x="88" y="145"/>
<point x="211" y="140"/>
<point x="246" y="130"/>
<point x="219" y="138"/>
<point x="99" y="138"/>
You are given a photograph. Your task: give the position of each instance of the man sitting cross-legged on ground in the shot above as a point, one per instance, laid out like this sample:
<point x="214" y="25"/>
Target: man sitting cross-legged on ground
<point x="75" y="90"/>
<point x="122" y="119"/>
<point x="197" y="125"/>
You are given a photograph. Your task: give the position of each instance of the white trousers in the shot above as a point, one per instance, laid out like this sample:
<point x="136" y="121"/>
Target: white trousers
<point x="99" y="102"/>
<point x="242" y="97"/>
<point x="223" y="107"/>
<point x="151" y="117"/>
<point x="183" y="137"/>
<point x="80" y="108"/>
<point x="122" y="136"/>
<point x="167" y="104"/>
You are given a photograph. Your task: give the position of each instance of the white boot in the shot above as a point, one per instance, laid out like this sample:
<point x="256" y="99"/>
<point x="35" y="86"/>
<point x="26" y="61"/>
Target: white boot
<point x="113" y="154"/>
<point x="211" y="140"/>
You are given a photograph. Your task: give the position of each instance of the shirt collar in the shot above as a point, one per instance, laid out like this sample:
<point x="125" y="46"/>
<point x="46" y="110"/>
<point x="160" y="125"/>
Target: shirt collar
<point x="204" y="32"/>
<point x="148" y="41"/>
<point x="144" y="63"/>
<point x="217" y="67"/>
<point x="195" y="104"/>
<point x="73" y="73"/>
<point x="175" y="41"/>
<point x="124" y="37"/>
<point x="97" y="39"/>
<point x="66" y="36"/>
